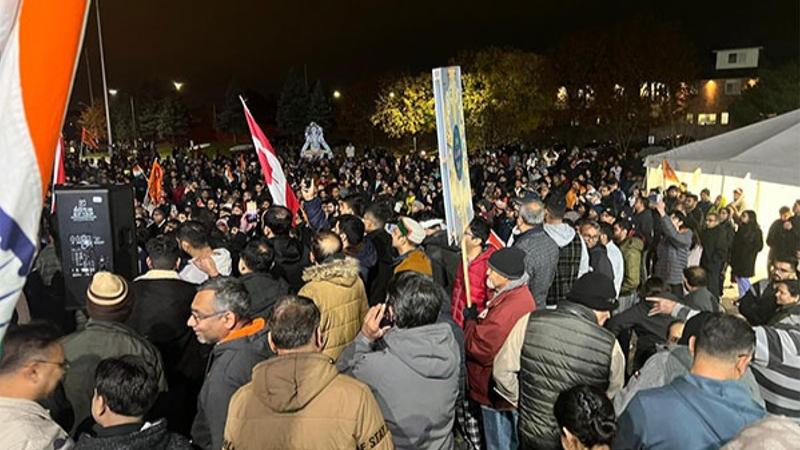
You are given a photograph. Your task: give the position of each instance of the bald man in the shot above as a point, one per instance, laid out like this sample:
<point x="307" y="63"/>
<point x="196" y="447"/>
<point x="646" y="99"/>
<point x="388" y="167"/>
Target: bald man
<point x="333" y="283"/>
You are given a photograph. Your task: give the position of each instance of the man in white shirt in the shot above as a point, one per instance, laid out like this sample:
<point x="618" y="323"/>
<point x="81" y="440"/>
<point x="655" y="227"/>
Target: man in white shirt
<point x="32" y="364"/>
<point x="206" y="262"/>
<point x="614" y="255"/>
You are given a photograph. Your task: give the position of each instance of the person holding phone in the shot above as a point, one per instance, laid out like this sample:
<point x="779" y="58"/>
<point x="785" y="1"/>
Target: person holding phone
<point x="411" y="361"/>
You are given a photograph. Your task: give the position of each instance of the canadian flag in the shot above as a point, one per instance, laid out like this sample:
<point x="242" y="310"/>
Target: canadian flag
<point x="59" y="176"/>
<point x="279" y="188"/>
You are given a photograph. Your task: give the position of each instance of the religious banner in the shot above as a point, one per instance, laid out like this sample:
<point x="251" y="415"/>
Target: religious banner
<point x="452" y="151"/>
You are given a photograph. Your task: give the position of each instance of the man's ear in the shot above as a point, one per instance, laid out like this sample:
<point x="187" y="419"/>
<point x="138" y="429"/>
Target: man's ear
<point x="149" y="263"/>
<point x="691" y="345"/>
<point x="742" y="363"/>
<point x="271" y="344"/>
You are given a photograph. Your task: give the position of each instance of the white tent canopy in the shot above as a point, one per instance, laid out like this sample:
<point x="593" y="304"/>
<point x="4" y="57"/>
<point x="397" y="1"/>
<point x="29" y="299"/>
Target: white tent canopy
<point x="763" y="159"/>
<point x="767" y="151"/>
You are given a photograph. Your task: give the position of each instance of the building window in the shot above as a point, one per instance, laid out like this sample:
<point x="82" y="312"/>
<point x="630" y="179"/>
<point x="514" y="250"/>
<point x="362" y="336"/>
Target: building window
<point x="723" y="118"/>
<point x="707" y="119"/>
<point x="731" y="58"/>
<point x="689" y="118"/>
<point x="733" y="87"/>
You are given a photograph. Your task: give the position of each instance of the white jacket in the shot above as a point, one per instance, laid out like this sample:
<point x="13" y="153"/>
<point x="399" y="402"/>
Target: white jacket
<point x="28" y="426"/>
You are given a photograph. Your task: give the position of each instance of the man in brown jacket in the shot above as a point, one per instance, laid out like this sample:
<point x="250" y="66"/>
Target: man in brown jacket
<point x="407" y="235"/>
<point x="299" y="399"/>
<point x="333" y="283"/>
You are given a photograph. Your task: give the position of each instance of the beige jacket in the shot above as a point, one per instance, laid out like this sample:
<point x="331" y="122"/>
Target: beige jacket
<point x="339" y="293"/>
<point x="28" y="426"/>
<point x="506" y="363"/>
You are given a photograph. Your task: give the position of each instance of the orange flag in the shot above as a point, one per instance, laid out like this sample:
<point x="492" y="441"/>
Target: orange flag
<point x="669" y="174"/>
<point x="155" y="182"/>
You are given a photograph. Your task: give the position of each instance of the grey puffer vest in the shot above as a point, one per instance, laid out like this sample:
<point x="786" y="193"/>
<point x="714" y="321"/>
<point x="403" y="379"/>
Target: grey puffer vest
<point x="562" y="349"/>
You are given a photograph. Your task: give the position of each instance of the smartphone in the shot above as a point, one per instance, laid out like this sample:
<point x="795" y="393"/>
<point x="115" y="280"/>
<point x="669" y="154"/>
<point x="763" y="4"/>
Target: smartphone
<point x="388" y="319"/>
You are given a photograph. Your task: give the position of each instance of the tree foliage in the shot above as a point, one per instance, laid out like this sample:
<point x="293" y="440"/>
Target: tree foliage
<point x="319" y="106"/>
<point x="293" y="105"/>
<point x="405" y="107"/>
<point x="231" y="119"/>
<point x="777" y="92"/>
<point x="93" y="119"/>
<point x="173" y="118"/>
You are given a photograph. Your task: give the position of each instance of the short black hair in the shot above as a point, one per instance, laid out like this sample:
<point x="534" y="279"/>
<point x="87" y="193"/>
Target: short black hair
<point x="480" y="229"/>
<point x="380" y="211"/>
<point x="326" y="245"/>
<point x="24" y="343"/>
<point x="587" y="413"/>
<point x="194" y="233"/>
<point x="293" y="322"/>
<point x="606" y="230"/>
<point x="163" y="252"/>
<point x="279" y="220"/>
<point x="258" y="256"/>
<point x="678" y="215"/>
<point x="726" y="337"/>
<point x="653" y="286"/>
<point x="696" y="276"/>
<point x="415" y="298"/>
<point x="127" y="384"/>
<point x="792" y="285"/>
<point x="352" y="227"/>
<point x="355" y="202"/>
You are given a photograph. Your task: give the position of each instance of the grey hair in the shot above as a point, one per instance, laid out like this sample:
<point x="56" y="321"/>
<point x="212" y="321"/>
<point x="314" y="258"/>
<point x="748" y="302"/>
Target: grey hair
<point x="229" y="295"/>
<point x="532" y="212"/>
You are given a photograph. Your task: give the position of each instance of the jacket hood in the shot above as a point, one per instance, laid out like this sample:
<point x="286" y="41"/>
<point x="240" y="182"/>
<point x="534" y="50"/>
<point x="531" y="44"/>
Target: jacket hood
<point x="561" y="233"/>
<point x="429" y="350"/>
<point x="288" y="383"/>
<point x="343" y="272"/>
<point x="367" y="255"/>
<point x="287" y="250"/>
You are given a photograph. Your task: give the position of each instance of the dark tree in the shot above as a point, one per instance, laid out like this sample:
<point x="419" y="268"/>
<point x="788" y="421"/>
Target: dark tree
<point x="293" y="106"/>
<point x="777" y="92"/>
<point x="319" y="107"/>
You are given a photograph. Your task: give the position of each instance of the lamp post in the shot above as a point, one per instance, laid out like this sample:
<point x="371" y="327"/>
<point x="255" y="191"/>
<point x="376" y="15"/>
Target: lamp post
<point x="105" y="82"/>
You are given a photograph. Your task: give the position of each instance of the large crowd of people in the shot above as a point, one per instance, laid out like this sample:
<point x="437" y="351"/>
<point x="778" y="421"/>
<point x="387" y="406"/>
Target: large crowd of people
<point x="594" y="317"/>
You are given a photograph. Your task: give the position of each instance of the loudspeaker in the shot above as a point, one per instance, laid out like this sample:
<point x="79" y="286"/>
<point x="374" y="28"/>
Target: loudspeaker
<point x="96" y="231"/>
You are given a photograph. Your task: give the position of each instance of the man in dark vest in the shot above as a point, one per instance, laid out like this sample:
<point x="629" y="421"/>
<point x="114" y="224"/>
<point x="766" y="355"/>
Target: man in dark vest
<point x="562" y="349"/>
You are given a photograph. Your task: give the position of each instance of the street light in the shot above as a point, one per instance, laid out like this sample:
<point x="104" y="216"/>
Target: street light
<point x="337" y="95"/>
<point x="178" y="85"/>
<point x="113" y="92"/>
<point x="391" y="94"/>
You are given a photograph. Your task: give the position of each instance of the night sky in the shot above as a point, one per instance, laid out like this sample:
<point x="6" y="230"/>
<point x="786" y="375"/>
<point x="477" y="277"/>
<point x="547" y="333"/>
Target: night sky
<point x="209" y="43"/>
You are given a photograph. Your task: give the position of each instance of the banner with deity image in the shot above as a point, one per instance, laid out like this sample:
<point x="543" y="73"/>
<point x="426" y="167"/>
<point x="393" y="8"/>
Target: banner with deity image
<point x="452" y="151"/>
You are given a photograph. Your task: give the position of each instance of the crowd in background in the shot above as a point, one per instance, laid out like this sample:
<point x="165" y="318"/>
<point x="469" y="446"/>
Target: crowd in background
<point x="594" y="317"/>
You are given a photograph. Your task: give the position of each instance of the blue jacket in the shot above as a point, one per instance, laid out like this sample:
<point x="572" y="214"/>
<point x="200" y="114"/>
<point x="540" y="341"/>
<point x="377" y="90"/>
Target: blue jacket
<point x="691" y="413"/>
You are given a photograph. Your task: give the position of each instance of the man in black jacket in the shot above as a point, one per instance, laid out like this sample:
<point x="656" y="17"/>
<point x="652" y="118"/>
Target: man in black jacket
<point x="162" y="304"/>
<point x="291" y="255"/>
<point x="255" y="263"/>
<point x="221" y="316"/>
<point x="375" y="219"/>
<point x="124" y="391"/>
<point x="716" y="241"/>
<point x="598" y="257"/>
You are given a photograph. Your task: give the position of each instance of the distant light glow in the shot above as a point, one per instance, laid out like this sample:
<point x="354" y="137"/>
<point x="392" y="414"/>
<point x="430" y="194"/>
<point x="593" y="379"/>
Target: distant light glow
<point x="178" y="85"/>
<point x="113" y="91"/>
<point x="337" y="94"/>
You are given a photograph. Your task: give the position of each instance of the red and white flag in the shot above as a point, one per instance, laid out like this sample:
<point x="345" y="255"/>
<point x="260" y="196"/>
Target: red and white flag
<point x="279" y="188"/>
<point x="40" y="42"/>
<point x="495" y="241"/>
<point x="59" y="176"/>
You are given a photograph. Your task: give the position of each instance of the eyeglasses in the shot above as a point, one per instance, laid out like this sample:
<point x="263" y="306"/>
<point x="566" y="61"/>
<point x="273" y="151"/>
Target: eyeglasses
<point x="199" y="317"/>
<point x="63" y="364"/>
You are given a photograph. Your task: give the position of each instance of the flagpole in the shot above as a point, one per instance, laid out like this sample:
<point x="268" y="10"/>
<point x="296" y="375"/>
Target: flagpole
<point x="105" y="82"/>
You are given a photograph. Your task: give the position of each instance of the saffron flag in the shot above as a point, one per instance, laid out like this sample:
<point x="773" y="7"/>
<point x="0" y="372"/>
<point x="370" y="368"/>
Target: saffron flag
<point x="155" y="183"/>
<point x="59" y="176"/>
<point x="669" y="174"/>
<point x="89" y="139"/>
<point x="39" y="44"/>
<point x="274" y="177"/>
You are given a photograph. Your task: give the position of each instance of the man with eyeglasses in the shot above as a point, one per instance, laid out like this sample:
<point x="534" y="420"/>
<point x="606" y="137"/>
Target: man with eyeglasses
<point x="31" y="366"/>
<point x="598" y="255"/>
<point x="758" y="305"/>
<point x="221" y="316"/>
